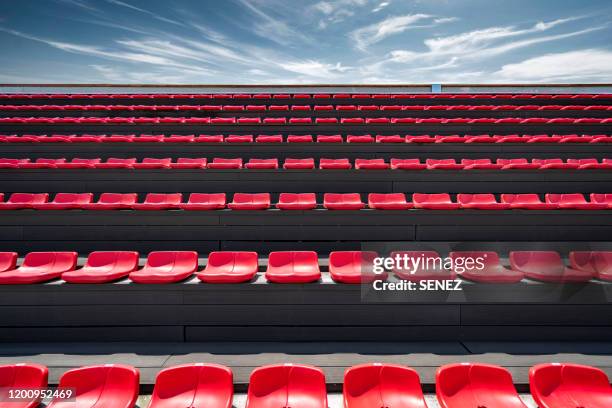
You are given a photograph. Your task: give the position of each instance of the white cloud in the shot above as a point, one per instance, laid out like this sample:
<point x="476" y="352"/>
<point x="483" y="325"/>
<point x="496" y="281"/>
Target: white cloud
<point x="315" y="68"/>
<point x="336" y="11"/>
<point x="380" y="6"/>
<point x="374" y="33"/>
<point x="141" y="10"/>
<point x="443" y="20"/>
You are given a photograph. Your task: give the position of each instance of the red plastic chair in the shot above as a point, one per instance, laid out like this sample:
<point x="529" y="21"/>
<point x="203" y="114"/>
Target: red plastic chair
<point x="420" y="265"/>
<point x="574" y="202"/>
<point x="407" y="164"/>
<point x="112" y="201"/>
<point x="293" y="267"/>
<point x="203" y="201"/>
<point x="150" y="163"/>
<point x="391" y="201"/>
<point x="299" y="139"/>
<point x="487" y="270"/>
<point x="8" y="261"/>
<point x="65" y="201"/>
<point x="299" y="164"/>
<point x="353" y="267"/>
<point x="347" y="201"/>
<point x="22" y="376"/>
<point x="18" y="201"/>
<point x="390" y="139"/>
<point x="443" y="164"/>
<point x="471" y="385"/>
<point x="114" y="163"/>
<point x="546" y="266"/>
<point x="12" y="163"/>
<point x="527" y="202"/>
<point x="287" y="385"/>
<point x="329" y="138"/>
<point x="546" y="164"/>
<point x="166" y="267"/>
<point x="480" y="164"/>
<point x="42" y="164"/>
<point x="334" y="164"/>
<point x="103" y="267"/>
<point x="518" y="164"/>
<point x="382" y="385"/>
<point x="77" y="163"/>
<point x="271" y="164"/>
<point x="229" y="267"/>
<point x="193" y="385"/>
<point x="239" y="139"/>
<point x="246" y="201"/>
<point x="223" y="164"/>
<point x="40" y="267"/>
<point x="371" y="164"/>
<point x="441" y="201"/>
<point x="297" y="201"/>
<point x="480" y="202"/>
<point x="109" y="386"/>
<point x="157" y="201"/>
<point x="269" y="139"/>
<point x="564" y="385"/>
<point x="189" y="163"/>
<point x="357" y="138"/>
<point x="597" y="262"/>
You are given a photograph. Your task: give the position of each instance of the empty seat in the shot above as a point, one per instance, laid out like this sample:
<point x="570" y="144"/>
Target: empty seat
<point x="585" y="164"/>
<point x="293" y="267"/>
<point x="189" y="163"/>
<point x="77" y="163"/>
<point x="390" y="201"/>
<point x="287" y="385"/>
<point x="353" y="266"/>
<point x="547" y="266"/>
<point x="8" y="261"/>
<point x="299" y="164"/>
<point x="527" y="202"/>
<point x="382" y="385"/>
<point x="203" y="201"/>
<point x="21" y="377"/>
<point x="443" y="164"/>
<point x="471" y="385"/>
<point x="483" y="266"/>
<point x="112" y="201"/>
<point x="297" y="201"/>
<point x="42" y="164"/>
<point x="334" y="164"/>
<point x="247" y="201"/>
<point x="65" y="201"/>
<point x="166" y="267"/>
<point x="597" y="262"/>
<point x="269" y="139"/>
<point x="358" y="138"/>
<point x="407" y="164"/>
<point x="371" y="164"/>
<point x="222" y="163"/>
<point x="102" y="267"/>
<point x="441" y="201"/>
<point x="480" y="202"/>
<point x="12" y="163"/>
<point x="158" y="201"/>
<point x="329" y="138"/>
<point x="40" y="267"/>
<point x="299" y="139"/>
<point x="564" y="385"/>
<point x="271" y="164"/>
<point x="229" y="267"/>
<point x="239" y="139"/>
<point x="346" y="201"/>
<point x="150" y="163"/>
<point x="519" y="164"/>
<point x="574" y="201"/>
<point x="18" y="201"/>
<point x="479" y="164"/>
<point x="115" y="163"/>
<point x="193" y="385"/>
<point x="554" y="164"/>
<point x="108" y="385"/>
<point x="420" y="265"/>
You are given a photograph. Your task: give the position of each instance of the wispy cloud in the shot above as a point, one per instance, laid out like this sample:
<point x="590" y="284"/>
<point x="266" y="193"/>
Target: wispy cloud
<point x="371" y="34"/>
<point x="141" y="10"/>
<point x="315" y="68"/>
<point x="380" y="6"/>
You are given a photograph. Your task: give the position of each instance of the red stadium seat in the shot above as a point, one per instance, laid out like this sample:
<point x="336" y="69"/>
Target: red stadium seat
<point x="8" y="260"/>
<point x="293" y="267"/>
<point x="269" y="139"/>
<point x="420" y="265"/>
<point x="193" y="385"/>
<point x="222" y="163"/>
<point x="65" y="201"/>
<point x="287" y="385"/>
<point x="108" y="385"/>
<point x="209" y="139"/>
<point x="487" y="270"/>
<point x="189" y="163"/>
<point x="441" y="201"/>
<point x="329" y="138"/>
<point x="12" y="163"/>
<point x="407" y="164"/>
<point x="480" y="202"/>
<point x="554" y="164"/>
<point x="158" y="201"/>
<point x="472" y="385"/>
<point x="527" y="202"/>
<point x="42" y="164"/>
<point x="334" y="164"/>
<point x="246" y="201"/>
<point x="239" y="139"/>
<point x="597" y="262"/>
<point x="523" y="164"/>
<point x="371" y="164"/>
<point x="271" y="164"/>
<point x="18" y="201"/>
<point x="391" y="201"/>
<point x="479" y="164"/>
<point x="114" y="163"/>
<point x="149" y="163"/>
<point x="574" y="201"/>
<point x="602" y="199"/>
<point x="564" y="385"/>
<point x="390" y="139"/>
<point x="301" y="164"/>
<point x="40" y="267"/>
<point x="112" y="201"/>
<point x="359" y="138"/>
<point x="443" y="164"/>
<point x="103" y="267"/>
<point x="229" y="267"/>
<point x="22" y="377"/>
<point x="77" y="163"/>
<point x="585" y="164"/>
<point x="299" y="139"/>
<point x="547" y="266"/>
<point x="297" y="201"/>
<point x="166" y="267"/>
<point x="203" y="201"/>
<point x="382" y="385"/>
<point x="346" y="201"/>
<point x="353" y="266"/>
<point x="179" y="139"/>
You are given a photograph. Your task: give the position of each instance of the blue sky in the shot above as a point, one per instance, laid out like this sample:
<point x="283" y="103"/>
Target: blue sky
<point x="301" y="41"/>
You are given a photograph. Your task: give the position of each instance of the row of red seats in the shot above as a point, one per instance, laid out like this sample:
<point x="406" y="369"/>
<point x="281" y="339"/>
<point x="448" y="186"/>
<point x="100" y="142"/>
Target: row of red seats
<point x="304" y="201"/>
<point x="351" y="267"/>
<point x="304" y="108"/>
<point x="307" y="96"/>
<point x="123" y="120"/>
<point x="307" y="164"/>
<point x="372" y="385"/>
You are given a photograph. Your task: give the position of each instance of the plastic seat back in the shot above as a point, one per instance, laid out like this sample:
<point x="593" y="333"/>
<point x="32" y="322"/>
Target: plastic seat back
<point x="7" y="261"/>
<point x="161" y="262"/>
<point x="109" y="261"/>
<point x="49" y="261"/>
<point x="73" y="198"/>
<point x="118" y="198"/>
<point x="204" y="198"/>
<point x="22" y="376"/>
<point x="540" y="262"/>
<point x="293" y="266"/>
